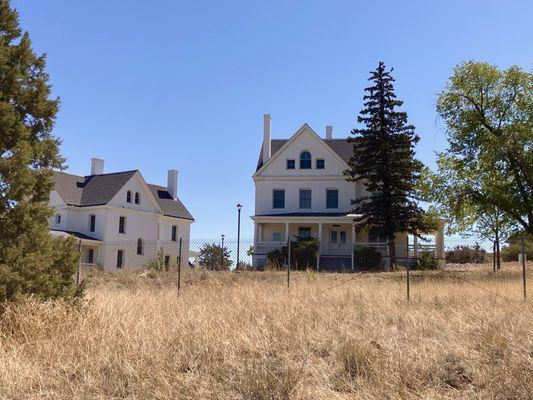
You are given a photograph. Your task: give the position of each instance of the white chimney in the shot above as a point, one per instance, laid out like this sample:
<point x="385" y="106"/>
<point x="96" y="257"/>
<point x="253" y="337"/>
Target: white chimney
<point x="266" y="137"/>
<point x="97" y="166"/>
<point x="329" y="132"/>
<point x="172" y="183"/>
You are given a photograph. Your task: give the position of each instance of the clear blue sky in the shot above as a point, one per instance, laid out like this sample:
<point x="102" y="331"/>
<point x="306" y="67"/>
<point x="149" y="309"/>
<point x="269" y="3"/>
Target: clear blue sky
<point x="166" y="84"/>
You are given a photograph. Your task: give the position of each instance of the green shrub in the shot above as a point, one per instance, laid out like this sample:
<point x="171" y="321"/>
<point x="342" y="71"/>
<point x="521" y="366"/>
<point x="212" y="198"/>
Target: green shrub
<point x="304" y="253"/>
<point x="366" y="258"/>
<point x="514" y="246"/>
<point x="425" y="262"/>
<point x="466" y="255"/>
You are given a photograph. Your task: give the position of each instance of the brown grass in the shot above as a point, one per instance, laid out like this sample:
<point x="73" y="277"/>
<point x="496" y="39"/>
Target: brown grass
<point x="243" y="336"/>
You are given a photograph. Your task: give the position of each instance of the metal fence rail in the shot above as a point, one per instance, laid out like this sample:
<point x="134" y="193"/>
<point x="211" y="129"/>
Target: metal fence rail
<point x="465" y="272"/>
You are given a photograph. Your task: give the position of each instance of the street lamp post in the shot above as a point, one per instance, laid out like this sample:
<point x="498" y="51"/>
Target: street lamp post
<point x="239" y="206"/>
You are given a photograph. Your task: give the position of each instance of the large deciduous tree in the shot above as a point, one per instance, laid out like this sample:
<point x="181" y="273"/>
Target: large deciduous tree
<point x="31" y="262"/>
<point x="489" y="124"/>
<point x="384" y="159"/>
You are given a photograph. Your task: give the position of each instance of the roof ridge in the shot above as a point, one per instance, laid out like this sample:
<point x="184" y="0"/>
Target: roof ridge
<point x="113" y="173"/>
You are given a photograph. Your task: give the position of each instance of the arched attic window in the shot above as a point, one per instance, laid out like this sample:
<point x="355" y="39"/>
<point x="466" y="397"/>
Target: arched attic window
<point x="128" y="196"/>
<point x="140" y="246"/>
<point x="137" y="198"/>
<point x="305" y="160"/>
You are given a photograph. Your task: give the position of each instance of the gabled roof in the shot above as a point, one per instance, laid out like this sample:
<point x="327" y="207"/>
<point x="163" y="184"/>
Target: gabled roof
<point x="97" y="190"/>
<point x="341" y="147"/>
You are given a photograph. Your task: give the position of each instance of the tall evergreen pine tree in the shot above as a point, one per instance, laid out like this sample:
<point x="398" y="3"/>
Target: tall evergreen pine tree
<point x="31" y="262"/>
<point x="384" y="159"/>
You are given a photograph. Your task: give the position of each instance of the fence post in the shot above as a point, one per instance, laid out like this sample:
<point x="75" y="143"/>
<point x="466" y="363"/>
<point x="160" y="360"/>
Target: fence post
<point x="289" y="264"/>
<point x="523" y="250"/>
<point x="408" y="271"/>
<point x="79" y="264"/>
<point x="179" y="267"/>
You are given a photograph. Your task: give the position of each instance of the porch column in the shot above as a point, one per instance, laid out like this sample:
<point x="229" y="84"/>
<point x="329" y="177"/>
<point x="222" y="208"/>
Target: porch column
<point x="319" y="245"/>
<point x="286" y="232"/>
<point x="353" y="246"/>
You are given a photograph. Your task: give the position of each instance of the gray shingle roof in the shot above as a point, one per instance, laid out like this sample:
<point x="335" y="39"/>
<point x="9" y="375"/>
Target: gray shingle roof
<point x="170" y="207"/>
<point x="341" y="147"/>
<point x="95" y="190"/>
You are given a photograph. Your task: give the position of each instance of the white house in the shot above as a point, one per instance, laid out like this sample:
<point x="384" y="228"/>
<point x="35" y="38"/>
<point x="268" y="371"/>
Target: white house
<point x="300" y="190"/>
<point x="121" y="221"/>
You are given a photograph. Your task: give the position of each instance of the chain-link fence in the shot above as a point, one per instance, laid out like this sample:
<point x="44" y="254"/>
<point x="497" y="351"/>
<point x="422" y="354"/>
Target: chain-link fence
<point x="414" y="270"/>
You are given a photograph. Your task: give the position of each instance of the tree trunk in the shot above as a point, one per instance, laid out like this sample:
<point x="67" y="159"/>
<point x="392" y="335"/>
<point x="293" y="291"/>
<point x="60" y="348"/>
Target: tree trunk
<point x="494" y="256"/>
<point x="392" y="255"/>
<point x="498" y="255"/>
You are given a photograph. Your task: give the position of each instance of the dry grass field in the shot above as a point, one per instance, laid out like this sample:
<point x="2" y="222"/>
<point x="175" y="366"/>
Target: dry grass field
<point x="464" y="335"/>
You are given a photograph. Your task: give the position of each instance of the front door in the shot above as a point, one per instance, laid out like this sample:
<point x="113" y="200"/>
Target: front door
<point x="337" y="241"/>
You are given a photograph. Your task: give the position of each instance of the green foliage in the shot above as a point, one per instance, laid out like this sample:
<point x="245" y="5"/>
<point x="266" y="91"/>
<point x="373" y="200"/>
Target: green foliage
<point x="425" y="262"/>
<point x="488" y="166"/>
<point x="384" y="159"/>
<point x="31" y="262"/>
<point x="158" y="263"/>
<point x="366" y="258"/>
<point x="244" y="266"/>
<point x="304" y="253"/>
<point x="466" y="255"/>
<point x="214" y="257"/>
<point x="514" y="247"/>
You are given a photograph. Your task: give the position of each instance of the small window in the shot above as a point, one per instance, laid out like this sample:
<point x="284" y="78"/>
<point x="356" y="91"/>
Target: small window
<point x="305" y="160"/>
<point x="174" y="233"/>
<point x="304" y="232"/>
<point x="305" y="198"/>
<point x="140" y="247"/>
<point x="137" y="198"/>
<point x="58" y="219"/>
<point x="122" y="224"/>
<point x="276" y="236"/>
<point x="92" y="223"/>
<point x="291" y="164"/>
<point x="332" y="198"/>
<point x="278" y="198"/>
<point x="320" y="163"/>
<point x="334" y="237"/>
<point x="128" y="197"/>
<point x="90" y="256"/>
<point x="120" y="258"/>
<point x="167" y="261"/>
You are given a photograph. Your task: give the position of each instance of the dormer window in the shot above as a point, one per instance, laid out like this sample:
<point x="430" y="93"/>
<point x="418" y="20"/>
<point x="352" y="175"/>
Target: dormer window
<point x="137" y="198"/>
<point x="305" y="160"/>
<point x="128" y="196"/>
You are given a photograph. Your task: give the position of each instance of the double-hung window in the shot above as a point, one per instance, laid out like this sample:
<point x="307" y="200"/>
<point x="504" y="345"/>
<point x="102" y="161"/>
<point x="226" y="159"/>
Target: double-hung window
<point x="120" y="258"/>
<point x="122" y="224"/>
<point x="305" y="198"/>
<point x="320" y="163"/>
<point x="92" y="223"/>
<point x="174" y="233"/>
<point x="278" y="198"/>
<point x="332" y="198"/>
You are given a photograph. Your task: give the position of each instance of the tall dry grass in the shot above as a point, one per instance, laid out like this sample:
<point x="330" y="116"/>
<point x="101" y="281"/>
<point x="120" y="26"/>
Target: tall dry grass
<point x="243" y="336"/>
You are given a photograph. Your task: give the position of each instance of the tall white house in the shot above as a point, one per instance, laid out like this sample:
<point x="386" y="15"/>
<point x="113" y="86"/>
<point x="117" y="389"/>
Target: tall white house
<point x="301" y="190"/>
<point x="120" y="221"/>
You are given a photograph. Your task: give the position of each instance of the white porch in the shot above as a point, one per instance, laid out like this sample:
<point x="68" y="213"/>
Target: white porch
<point x="337" y="236"/>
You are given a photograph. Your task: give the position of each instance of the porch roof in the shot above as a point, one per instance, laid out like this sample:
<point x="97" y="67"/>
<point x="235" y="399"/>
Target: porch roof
<point x="78" y="235"/>
<point x="309" y="217"/>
